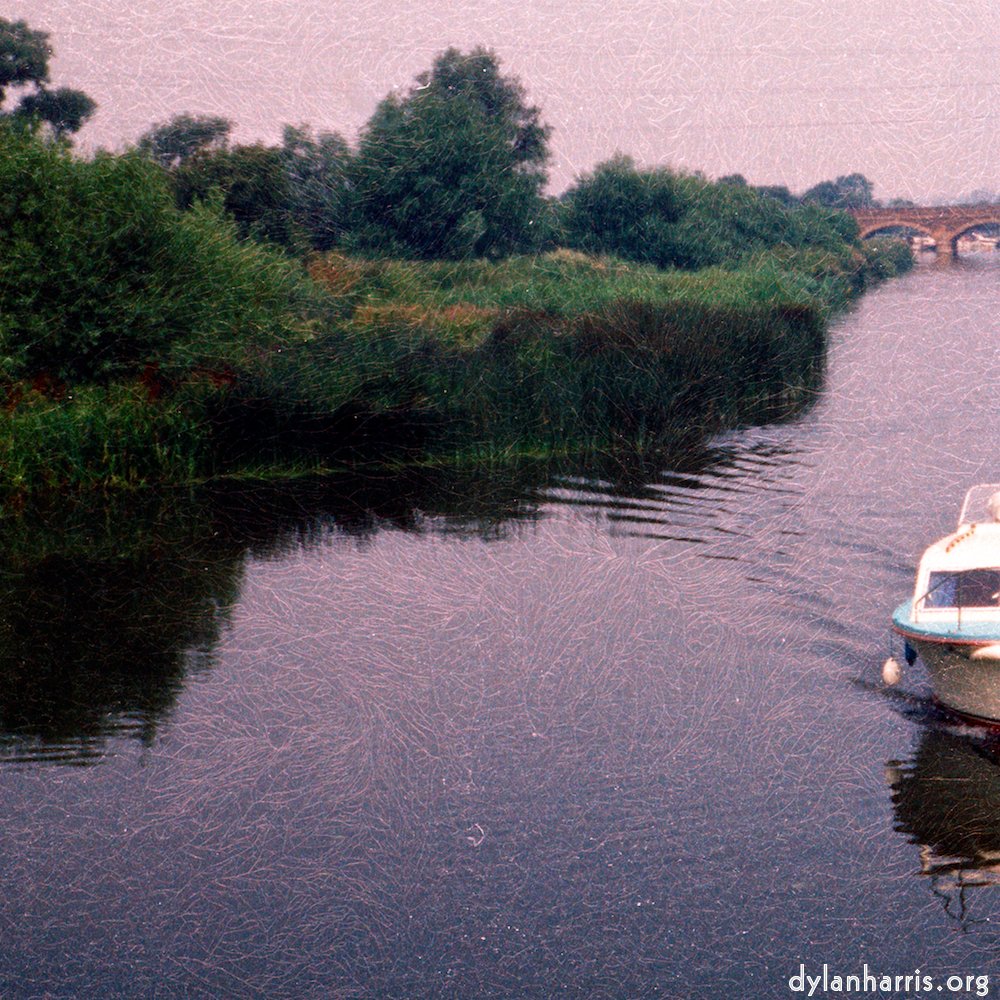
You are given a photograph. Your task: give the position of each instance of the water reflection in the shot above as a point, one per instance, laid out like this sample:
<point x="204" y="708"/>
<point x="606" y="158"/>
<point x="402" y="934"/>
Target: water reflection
<point x="111" y="606"/>
<point x="947" y="801"/>
<point x="699" y="500"/>
<point x="584" y="730"/>
<point x="107" y="608"/>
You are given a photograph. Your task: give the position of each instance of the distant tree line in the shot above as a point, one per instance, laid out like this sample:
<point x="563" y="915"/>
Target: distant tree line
<point x="852" y="191"/>
<point x="453" y="168"/>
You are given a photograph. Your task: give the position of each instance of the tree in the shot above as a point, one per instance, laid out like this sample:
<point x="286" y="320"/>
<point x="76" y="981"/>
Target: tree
<point x="780" y="193"/>
<point x="621" y="210"/>
<point x="453" y="169"/>
<point x="669" y="219"/>
<point x="318" y="190"/>
<point x="845" y="193"/>
<point x="24" y="55"/>
<point x="101" y="275"/>
<point x="66" y="110"/>
<point x="295" y="195"/>
<point x="24" y="61"/>
<point x="252" y="183"/>
<point x="171" y="143"/>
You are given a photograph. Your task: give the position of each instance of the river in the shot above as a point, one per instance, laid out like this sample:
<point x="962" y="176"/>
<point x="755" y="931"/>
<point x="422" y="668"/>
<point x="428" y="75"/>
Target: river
<point x="611" y="733"/>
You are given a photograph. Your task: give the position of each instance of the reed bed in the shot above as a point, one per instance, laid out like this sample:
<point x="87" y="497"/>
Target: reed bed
<point x="427" y="363"/>
<point x="109" y="437"/>
<point x="560" y="353"/>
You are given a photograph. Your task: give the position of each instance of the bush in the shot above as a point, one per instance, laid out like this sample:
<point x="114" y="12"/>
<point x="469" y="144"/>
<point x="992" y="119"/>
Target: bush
<point x="675" y="220"/>
<point x="101" y="275"/>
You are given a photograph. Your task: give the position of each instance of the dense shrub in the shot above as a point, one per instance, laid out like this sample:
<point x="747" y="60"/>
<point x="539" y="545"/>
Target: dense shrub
<point x="676" y="220"/>
<point x="101" y="275"/>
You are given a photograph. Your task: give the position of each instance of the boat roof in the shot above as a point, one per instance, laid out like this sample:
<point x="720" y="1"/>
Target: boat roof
<point x="975" y="544"/>
<point x="971" y="547"/>
<point x="976" y="541"/>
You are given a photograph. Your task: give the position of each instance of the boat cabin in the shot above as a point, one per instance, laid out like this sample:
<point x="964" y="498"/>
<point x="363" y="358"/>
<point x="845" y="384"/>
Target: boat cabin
<point x="960" y="574"/>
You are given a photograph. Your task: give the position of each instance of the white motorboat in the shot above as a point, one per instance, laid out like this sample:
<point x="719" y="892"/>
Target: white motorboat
<point x="953" y="619"/>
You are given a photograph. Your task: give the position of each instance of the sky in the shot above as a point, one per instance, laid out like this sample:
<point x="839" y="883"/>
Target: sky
<point x="789" y="92"/>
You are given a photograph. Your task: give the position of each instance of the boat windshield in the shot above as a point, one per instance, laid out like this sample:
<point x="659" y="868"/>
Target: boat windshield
<point x="977" y="506"/>
<point x="971" y="588"/>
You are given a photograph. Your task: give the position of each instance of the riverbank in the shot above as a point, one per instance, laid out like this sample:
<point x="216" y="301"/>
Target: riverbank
<point x="144" y="342"/>
<point x="400" y="362"/>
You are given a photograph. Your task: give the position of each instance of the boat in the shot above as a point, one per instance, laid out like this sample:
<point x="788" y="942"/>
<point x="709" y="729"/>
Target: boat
<point x="952" y="622"/>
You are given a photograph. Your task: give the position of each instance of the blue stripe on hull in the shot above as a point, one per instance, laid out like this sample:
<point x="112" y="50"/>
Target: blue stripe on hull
<point x="975" y="633"/>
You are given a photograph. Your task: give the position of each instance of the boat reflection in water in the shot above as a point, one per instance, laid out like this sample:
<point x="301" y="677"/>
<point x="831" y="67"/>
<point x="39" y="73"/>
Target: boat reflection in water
<point x="947" y="800"/>
<point x="953" y="619"/>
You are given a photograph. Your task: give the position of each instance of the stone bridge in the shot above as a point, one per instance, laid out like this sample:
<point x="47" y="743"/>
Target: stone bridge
<point x="943" y="224"/>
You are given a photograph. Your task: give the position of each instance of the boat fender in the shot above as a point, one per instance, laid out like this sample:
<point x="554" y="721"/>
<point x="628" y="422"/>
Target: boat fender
<point x="991" y="652"/>
<point x="891" y="672"/>
<point x="910" y="653"/>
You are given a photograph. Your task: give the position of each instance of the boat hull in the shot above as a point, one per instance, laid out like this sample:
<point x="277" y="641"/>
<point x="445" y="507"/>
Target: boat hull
<point x="963" y="664"/>
<point x="961" y="680"/>
<point x="953" y="620"/>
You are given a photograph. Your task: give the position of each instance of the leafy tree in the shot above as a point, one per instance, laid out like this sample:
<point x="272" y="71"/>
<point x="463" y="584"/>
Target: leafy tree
<point x="621" y="210"/>
<point x="252" y="185"/>
<point x="24" y="61"/>
<point x="295" y="195"/>
<point x="668" y="219"/>
<point x="101" y="275"/>
<point x="845" y="193"/>
<point x="453" y="169"/>
<point x="185" y="135"/>
<point x="24" y="55"/>
<point x="780" y="193"/>
<point x="65" y="109"/>
<point x="317" y="177"/>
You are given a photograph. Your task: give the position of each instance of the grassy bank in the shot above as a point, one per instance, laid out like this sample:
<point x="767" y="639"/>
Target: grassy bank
<point x="568" y="353"/>
<point x="143" y="344"/>
<point x="391" y="361"/>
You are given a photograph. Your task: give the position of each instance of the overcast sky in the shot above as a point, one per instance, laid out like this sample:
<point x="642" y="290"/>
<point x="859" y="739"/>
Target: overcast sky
<point x="782" y="91"/>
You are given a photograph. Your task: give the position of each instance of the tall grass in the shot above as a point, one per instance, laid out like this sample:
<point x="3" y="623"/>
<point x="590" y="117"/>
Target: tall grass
<point x="392" y="361"/>
<point x="111" y="437"/>
<point x="635" y="375"/>
<point x="553" y="354"/>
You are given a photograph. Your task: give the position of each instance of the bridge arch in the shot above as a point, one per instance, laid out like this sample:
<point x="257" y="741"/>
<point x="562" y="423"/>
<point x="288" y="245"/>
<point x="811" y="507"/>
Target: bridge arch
<point x="891" y="228"/>
<point x="943" y="224"/>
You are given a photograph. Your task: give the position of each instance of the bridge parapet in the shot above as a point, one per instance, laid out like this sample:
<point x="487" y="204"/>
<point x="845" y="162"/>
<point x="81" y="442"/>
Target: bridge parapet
<point x="944" y="223"/>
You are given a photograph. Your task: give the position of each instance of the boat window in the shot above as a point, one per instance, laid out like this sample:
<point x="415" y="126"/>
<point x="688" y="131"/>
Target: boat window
<point x="972" y="588"/>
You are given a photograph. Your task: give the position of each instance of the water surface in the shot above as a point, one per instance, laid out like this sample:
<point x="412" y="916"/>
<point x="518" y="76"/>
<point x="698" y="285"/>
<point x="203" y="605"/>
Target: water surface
<point x="584" y="732"/>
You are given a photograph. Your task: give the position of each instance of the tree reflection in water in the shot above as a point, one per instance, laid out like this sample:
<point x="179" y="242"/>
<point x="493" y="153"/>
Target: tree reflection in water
<point x="107" y="607"/>
<point x="111" y="603"/>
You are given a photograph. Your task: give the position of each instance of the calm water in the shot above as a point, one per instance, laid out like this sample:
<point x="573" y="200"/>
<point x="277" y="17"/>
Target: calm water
<point x="599" y="733"/>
